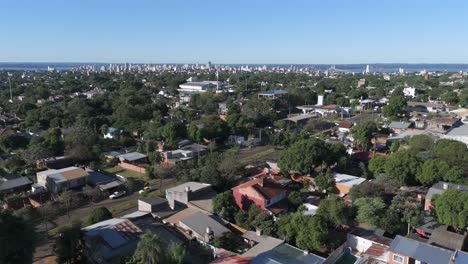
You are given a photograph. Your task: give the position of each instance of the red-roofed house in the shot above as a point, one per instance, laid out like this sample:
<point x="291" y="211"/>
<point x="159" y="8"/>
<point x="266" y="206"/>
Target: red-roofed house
<point x="264" y="193"/>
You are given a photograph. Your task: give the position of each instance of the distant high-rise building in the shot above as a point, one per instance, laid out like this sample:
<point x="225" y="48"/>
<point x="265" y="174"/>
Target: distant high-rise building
<point x="367" y="69"/>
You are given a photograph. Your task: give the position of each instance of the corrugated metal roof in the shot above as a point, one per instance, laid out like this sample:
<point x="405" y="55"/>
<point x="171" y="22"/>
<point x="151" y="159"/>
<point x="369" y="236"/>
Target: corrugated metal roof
<point x="460" y="257"/>
<point x="287" y="254"/>
<point x="194" y="186"/>
<point x="420" y="251"/>
<point x="199" y="222"/>
<point x="132" y="156"/>
<point x="10" y="184"/>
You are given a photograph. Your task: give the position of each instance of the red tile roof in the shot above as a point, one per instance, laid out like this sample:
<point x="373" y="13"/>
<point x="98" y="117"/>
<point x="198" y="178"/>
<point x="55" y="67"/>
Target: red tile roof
<point x="265" y="187"/>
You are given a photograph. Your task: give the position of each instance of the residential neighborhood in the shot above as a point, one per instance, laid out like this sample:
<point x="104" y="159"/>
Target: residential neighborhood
<point x="234" y="132"/>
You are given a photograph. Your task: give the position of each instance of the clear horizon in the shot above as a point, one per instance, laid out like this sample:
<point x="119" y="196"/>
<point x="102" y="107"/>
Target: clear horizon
<point x="240" y="32"/>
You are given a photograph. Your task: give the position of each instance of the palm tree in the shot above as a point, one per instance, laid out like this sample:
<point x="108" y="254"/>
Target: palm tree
<point x="175" y="254"/>
<point x="149" y="249"/>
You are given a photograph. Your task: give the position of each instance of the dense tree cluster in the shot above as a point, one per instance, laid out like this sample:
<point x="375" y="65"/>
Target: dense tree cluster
<point x="305" y="155"/>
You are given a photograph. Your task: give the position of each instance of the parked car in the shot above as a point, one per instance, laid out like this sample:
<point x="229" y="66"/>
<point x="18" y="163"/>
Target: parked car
<point x="116" y="195"/>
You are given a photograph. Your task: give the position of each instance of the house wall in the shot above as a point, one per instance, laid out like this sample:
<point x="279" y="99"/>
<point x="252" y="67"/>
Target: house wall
<point x="391" y="261"/>
<point x="244" y="199"/>
<point x="173" y="196"/>
<point x="76" y="182"/>
<point x="132" y="167"/>
<point x="143" y="206"/>
<point x="359" y="243"/>
<point x="427" y="205"/>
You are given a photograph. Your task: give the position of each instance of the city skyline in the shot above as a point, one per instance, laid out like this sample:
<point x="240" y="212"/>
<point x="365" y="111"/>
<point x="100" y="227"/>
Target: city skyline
<point x="241" y="32"/>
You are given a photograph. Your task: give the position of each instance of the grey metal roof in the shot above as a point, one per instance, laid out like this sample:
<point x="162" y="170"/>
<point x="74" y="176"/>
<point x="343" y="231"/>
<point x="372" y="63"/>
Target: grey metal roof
<point x="14" y="183"/>
<point x="420" y="251"/>
<point x="198" y="222"/>
<point x="110" y="185"/>
<point x="462" y="130"/>
<point x="265" y="243"/>
<point x="447" y="239"/>
<point x="153" y="200"/>
<point x="399" y="125"/>
<point x="412" y="133"/>
<point x="287" y="254"/>
<point x="97" y="178"/>
<point x="194" y="186"/>
<point x="438" y="188"/>
<point x="132" y="156"/>
<point x="460" y="257"/>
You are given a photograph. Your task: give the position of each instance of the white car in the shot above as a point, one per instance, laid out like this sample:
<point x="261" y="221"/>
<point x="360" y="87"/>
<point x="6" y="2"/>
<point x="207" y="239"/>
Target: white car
<point x="116" y="195"/>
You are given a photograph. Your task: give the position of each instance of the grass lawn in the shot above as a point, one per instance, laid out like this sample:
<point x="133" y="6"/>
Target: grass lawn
<point x="259" y="155"/>
<point x="126" y="173"/>
<point x="122" y="207"/>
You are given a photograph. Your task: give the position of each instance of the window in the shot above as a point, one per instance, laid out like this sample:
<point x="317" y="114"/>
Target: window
<point x="397" y="258"/>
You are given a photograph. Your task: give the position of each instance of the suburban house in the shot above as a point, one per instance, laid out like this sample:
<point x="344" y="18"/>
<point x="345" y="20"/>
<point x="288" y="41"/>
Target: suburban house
<point x="133" y="158"/>
<point x="442" y="124"/>
<point x="459" y="133"/>
<point x="345" y="182"/>
<point x="440" y="188"/>
<point x="273" y="94"/>
<point x="265" y="249"/>
<point x="191" y="194"/>
<point x="184" y="153"/>
<point x="399" y="126"/>
<point x="344" y="126"/>
<point x="300" y="120"/>
<point x="57" y="181"/>
<point x="369" y="245"/>
<point x="286" y="254"/>
<point x="264" y="193"/>
<point x="134" y="161"/>
<point x="404" y="250"/>
<point x="203" y="227"/>
<point x="15" y="185"/>
<point x="423" y="108"/>
<point x="108" y="241"/>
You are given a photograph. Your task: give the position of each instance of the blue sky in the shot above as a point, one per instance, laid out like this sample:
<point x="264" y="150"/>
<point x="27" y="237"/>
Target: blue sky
<point x="236" y="31"/>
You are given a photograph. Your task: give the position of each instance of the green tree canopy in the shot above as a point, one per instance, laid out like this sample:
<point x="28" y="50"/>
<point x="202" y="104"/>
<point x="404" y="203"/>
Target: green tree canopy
<point x="377" y="165"/>
<point x="402" y="167"/>
<point x="17" y="239"/>
<point x="432" y="171"/>
<point x="305" y="155"/>
<point x="225" y="206"/>
<point x="97" y="215"/>
<point x="395" y="107"/>
<point x="363" y="134"/>
<point x="79" y="143"/>
<point x="334" y="211"/>
<point x="452" y="208"/>
<point x="325" y="182"/>
<point x="68" y="246"/>
<point x="149" y="249"/>
<point x="370" y="210"/>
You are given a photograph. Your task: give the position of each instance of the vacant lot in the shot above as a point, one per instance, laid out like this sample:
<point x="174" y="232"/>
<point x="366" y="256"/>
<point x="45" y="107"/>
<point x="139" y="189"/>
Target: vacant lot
<point x="258" y="154"/>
